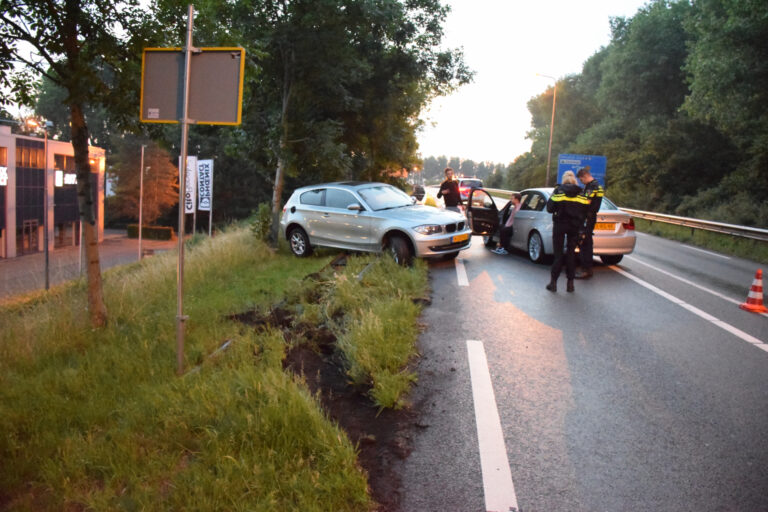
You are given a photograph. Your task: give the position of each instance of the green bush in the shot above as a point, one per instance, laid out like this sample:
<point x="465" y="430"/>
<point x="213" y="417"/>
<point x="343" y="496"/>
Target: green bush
<point x="262" y="221"/>
<point x="151" y="232"/>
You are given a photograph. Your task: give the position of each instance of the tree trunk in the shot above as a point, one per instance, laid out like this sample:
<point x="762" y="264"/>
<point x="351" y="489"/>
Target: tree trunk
<point x="277" y="194"/>
<point x="96" y="307"/>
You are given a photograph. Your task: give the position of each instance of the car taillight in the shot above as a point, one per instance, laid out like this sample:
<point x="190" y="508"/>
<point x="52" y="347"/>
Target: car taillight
<point x="629" y="225"/>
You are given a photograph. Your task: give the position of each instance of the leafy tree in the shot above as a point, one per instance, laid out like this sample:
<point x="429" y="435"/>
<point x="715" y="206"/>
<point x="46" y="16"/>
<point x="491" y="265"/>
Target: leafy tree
<point x="161" y="179"/>
<point x="77" y="45"/>
<point x="334" y="87"/>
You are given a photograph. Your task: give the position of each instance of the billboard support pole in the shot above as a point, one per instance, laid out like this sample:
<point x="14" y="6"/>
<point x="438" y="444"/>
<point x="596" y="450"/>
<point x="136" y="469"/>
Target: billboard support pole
<point x="180" y="317"/>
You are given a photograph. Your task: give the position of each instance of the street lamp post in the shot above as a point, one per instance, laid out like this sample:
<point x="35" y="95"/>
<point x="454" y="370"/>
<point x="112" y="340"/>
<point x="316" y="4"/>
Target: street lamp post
<point x="141" y="196"/>
<point x="551" y="125"/>
<point x="44" y="126"/>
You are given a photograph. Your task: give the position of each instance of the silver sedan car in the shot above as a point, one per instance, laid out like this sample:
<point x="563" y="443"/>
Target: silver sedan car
<point x="371" y="217"/>
<point x="614" y="234"/>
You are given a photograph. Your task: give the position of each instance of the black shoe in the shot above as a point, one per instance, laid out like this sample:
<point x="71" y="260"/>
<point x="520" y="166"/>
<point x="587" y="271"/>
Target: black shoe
<point x="583" y="274"/>
<point x="569" y="287"/>
<point x="552" y="286"/>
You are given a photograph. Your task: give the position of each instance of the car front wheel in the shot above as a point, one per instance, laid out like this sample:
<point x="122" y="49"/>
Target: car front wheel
<point x="611" y="259"/>
<point x="535" y="247"/>
<point x="299" y="242"/>
<point x="400" y="251"/>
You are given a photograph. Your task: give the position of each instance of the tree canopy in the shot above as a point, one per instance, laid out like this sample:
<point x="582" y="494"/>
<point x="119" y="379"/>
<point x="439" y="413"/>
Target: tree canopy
<point x="677" y="104"/>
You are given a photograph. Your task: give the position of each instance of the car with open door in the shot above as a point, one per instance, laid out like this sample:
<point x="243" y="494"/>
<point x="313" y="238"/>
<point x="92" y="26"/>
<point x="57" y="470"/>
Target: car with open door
<point x="614" y="233"/>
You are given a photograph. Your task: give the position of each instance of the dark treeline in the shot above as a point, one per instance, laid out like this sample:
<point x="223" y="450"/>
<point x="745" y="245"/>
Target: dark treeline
<point x="677" y="102"/>
<point x="491" y="173"/>
<point x="333" y="88"/>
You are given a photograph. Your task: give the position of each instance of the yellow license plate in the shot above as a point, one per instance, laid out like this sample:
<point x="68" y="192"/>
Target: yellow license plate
<point x="605" y="226"/>
<point x="459" y="238"/>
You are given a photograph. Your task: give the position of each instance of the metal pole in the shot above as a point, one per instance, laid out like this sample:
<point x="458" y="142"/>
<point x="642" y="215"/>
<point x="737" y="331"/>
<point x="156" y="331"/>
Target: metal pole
<point x="551" y="129"/>
<point x="141" y="198"/>
<point x="47" y="201"/>
<point x="180" y="318"/>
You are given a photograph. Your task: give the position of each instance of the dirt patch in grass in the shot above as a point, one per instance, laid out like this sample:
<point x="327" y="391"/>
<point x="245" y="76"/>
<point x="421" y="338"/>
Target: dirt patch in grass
<point x="383" y="438"/>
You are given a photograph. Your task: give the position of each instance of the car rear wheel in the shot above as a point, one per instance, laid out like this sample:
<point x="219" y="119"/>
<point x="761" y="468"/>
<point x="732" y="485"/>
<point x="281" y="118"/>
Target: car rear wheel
<point x="398" y="247"/>
<point x="611" y="259"/>
<point x="535" y="247"/>
<point x="299" y="242"/>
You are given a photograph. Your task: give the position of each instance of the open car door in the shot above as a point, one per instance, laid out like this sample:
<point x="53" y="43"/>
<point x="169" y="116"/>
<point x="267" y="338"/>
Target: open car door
<point x="482" y="213"/>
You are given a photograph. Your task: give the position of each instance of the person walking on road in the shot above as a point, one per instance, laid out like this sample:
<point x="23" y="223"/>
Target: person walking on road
<point x="449" y="191"/>
<point x="507" y="230"/>
<point x="594" y="192"/>
<point x="568" y="206"/>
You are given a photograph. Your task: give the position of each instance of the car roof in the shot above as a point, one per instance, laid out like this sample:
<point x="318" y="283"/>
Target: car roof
<point x="352" y="185"/>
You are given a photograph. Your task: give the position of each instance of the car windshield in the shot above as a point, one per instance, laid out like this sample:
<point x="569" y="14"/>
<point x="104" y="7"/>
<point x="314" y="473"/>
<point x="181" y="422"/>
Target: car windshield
<point x="385" y="197"/>
<point x="472" y="183"/>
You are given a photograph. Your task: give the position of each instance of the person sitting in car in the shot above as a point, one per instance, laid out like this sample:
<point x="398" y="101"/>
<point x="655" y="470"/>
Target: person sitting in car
<point x="507" y="230"/>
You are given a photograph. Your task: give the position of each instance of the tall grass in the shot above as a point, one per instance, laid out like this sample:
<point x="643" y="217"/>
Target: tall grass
<point x="378" y="338"/>
<point x="97" y="419"/>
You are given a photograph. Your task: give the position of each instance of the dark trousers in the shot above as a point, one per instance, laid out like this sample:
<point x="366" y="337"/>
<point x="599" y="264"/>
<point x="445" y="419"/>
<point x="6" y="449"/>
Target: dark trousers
<point x="587" y="245"/>
<point x="563" y="234"/>
<point x="505" y="234"/>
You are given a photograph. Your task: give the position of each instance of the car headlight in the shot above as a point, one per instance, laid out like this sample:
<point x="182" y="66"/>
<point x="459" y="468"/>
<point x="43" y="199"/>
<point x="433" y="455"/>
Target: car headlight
<point x="428" y="229"/>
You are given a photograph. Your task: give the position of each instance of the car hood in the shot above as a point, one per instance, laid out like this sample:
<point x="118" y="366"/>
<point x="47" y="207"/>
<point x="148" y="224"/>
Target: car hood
<point x="419" y="214"/>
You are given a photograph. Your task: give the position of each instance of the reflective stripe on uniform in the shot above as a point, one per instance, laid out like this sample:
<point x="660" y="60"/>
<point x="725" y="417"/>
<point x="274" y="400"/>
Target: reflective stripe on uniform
<point x="575" y="199"/>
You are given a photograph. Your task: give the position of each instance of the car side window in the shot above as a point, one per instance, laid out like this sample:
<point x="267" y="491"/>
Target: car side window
<point x="537" y="202"/>
<point x="525" y="202"/>
<point x="335" y="198"/>
<point x="313" y="197"/>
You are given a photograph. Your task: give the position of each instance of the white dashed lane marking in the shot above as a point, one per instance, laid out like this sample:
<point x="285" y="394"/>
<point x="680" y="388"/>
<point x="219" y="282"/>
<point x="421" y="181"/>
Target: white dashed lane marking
<point x="497" y="477"/>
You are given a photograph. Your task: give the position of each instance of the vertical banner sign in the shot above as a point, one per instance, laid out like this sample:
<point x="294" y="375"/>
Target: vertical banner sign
<point x="204" y="184"/>
<point x="191" y="185"/>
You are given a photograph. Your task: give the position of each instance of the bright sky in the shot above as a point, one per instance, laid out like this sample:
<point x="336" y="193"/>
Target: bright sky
<point x="506" y="42"/>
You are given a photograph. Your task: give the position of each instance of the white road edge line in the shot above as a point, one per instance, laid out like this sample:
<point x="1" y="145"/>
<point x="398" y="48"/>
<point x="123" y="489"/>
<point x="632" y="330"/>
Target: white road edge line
<point x="461" y="272"/>
<point x="686" y="281"/>
<point x="706" y="252"/>
<point x="696" y="311"/>
<point x="497" y="477"/>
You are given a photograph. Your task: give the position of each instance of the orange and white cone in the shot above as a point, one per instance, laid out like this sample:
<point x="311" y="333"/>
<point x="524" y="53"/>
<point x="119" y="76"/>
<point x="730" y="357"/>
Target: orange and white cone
<point x="755" y="297"/>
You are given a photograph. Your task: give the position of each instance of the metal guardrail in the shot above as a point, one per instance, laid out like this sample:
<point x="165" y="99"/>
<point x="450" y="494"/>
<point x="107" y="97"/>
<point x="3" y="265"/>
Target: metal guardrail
<point x="706" y="225"/>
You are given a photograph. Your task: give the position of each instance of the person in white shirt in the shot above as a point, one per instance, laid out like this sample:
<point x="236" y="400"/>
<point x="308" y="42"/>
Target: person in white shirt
<point x="508" y="229"/>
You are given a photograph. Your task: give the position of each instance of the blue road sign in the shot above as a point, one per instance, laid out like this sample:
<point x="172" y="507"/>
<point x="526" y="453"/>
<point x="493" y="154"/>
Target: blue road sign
<point x="597" y="165"/>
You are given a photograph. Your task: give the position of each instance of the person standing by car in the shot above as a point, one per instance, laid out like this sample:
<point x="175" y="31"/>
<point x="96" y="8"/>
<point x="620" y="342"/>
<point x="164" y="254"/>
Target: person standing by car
<point x="568" y="206"/>
<point x="594" y="192"/>
<point x="449" y="191"/>
<point x="507" y="230"/>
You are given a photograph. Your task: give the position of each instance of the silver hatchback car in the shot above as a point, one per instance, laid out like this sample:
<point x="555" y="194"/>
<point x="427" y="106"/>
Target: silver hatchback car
<point x="614" y="234"/>
<point x="371" y="217"/>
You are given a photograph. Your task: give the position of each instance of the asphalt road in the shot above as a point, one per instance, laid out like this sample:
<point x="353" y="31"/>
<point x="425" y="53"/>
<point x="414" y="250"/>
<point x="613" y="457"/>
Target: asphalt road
<point x="645" y="389"/>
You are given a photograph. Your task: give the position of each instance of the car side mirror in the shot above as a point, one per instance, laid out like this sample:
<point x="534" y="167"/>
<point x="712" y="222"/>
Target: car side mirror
<point x="355" y="207"/>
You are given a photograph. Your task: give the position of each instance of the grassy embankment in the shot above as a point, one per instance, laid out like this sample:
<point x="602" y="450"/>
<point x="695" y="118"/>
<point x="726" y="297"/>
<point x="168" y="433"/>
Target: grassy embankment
<point x="97" y="419"/>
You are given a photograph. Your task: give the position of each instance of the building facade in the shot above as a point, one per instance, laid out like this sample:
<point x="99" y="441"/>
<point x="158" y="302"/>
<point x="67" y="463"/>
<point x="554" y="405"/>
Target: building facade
<point x="25" y="170"/>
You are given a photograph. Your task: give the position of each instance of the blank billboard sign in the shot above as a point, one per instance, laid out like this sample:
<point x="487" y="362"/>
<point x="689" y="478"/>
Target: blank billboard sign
<point x="215" y="88"/>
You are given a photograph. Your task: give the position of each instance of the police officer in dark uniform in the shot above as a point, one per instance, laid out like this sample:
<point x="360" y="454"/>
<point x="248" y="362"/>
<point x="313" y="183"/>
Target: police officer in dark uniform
<point x="449" y="191"/>
<point x="568" y="207"/>
<point x="594" y="192"/>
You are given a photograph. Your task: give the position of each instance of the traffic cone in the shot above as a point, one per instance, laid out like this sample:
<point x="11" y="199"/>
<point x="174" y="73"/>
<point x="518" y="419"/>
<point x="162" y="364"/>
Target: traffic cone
<point x="755" y="297"/>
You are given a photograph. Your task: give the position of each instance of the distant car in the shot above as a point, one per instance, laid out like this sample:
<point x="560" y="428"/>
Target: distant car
<point x="467" y="184"/>
<point x="614" y="230"/>
<point x="371" y="217"/>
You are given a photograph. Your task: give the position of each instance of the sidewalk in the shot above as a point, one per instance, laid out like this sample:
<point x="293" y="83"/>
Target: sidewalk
<point x="27" y="273"/>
